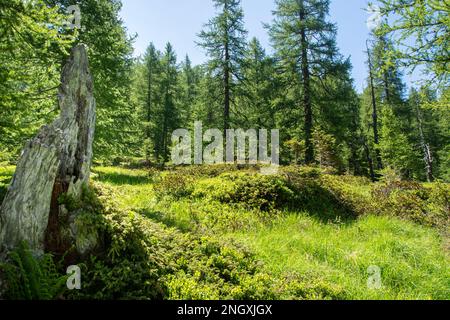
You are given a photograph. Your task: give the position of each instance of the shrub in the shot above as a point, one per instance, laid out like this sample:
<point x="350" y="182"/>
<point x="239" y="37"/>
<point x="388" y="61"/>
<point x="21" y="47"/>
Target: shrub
<point x="173" y="185"/>
<point x="142" y="259"/>
<point x="413" y="201"/>
<point x="265" y="193"/>
<point x="6" y="174"/>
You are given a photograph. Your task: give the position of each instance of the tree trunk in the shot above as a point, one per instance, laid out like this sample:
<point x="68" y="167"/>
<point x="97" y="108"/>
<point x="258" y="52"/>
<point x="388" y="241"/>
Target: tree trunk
<point x="226" y="109"/>
<point x="149" y="108"/>
<point x="370" y="162"/>
<point x="226" y="76"/>
<point x="374" y="114"/>
<point x="428" y="156"/>
<point x="56" y="161"/>
<point x="309" y="153"/>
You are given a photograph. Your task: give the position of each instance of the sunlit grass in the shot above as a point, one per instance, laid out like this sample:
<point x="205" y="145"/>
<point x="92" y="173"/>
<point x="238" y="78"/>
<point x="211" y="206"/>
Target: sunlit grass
<point x="134" y="188"/>
<point x="410" y="257"/>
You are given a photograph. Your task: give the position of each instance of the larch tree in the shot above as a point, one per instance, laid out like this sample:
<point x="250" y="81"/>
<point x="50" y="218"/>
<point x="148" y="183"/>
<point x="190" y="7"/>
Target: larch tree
<point x="223" y="38"/>
<point x="306" y="45"/>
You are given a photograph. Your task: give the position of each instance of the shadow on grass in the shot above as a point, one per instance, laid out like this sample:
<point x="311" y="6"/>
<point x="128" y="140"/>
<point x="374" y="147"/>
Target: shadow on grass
<point x="171" y="222"/>
<point x="321" y="203"/>
<point x="120" y="178"/>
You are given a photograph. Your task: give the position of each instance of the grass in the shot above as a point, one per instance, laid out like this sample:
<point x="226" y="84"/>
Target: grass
<point x="410" y="256"/>
<point x="6" y="173"/>
<point x="336" y="253"/>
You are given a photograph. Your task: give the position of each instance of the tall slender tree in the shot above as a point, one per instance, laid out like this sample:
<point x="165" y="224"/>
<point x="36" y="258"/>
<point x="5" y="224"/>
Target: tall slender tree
<point x="223" y="38"/>
<point x="170" y="116"/>
<point x="110" y="58"/>
<point x="306" y="45"/>
<point x="152" y="97"/>
<point x="259" y="89"/>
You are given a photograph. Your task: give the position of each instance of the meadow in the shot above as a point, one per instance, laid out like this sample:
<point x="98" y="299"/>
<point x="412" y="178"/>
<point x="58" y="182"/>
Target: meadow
<point x="221" y="232"/>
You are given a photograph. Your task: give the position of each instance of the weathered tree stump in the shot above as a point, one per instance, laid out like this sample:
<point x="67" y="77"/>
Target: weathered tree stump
<point x="56" y="161"/>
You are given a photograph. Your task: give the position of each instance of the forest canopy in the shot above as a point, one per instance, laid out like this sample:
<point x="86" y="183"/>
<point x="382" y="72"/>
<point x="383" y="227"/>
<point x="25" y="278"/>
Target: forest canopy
<point x="304" y="86"/>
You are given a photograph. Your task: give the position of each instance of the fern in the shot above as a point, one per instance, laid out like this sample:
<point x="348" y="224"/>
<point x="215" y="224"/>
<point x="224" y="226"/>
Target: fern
<point x="31" y="278"/>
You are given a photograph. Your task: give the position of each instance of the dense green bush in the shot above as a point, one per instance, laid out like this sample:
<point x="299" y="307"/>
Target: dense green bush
<point x="146" y="260"/>
<point x="173" y="185"/>
<point x="5" y="178"/>
<point x="413" y="201"/>
<point x="250" y="189"/>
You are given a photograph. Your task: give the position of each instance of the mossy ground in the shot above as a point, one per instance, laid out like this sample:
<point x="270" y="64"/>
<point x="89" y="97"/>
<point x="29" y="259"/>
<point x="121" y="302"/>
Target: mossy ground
<point x="208" y="233"/>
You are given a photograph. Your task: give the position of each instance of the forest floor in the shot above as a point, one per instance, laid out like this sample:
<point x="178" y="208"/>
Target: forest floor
<point x="332" y="239"/>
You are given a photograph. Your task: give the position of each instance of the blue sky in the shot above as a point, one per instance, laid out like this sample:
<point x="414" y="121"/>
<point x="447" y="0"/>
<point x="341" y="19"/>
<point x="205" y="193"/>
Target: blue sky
<point x="179" y="21"/>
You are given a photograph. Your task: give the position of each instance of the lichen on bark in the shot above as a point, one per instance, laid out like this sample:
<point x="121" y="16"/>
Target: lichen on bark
<point x="55" y="162"/>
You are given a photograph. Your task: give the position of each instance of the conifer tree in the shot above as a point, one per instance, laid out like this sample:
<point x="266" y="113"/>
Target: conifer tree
<point x="223" y="38"/>
<point x="306" y="45"/>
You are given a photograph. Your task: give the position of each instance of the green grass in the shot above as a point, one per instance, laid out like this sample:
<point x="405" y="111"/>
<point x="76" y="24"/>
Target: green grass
<point x="327" y="253"/>
<point x="411" y="257"/>
<point x="6" y="173"/>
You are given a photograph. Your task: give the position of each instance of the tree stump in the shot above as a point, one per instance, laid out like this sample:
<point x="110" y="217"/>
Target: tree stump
<point x="56" y="161"/>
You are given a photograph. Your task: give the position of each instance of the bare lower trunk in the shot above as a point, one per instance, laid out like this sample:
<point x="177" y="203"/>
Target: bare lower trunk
<point x="428" y="156"/>
<point x="374" y="114"/>
<point x="309" y="151"/>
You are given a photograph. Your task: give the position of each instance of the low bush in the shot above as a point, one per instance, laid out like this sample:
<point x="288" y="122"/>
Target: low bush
<point x="173" y="185"/>
<point x="146" y="260"/>
<point x="264" y="193"/>
<point x="411" y="200"/>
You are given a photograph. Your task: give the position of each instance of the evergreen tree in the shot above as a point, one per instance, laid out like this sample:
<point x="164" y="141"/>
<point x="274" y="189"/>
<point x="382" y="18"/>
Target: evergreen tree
<point x="189" y="90"/>
<point x="33" y="44"/>
<point x="428" y="23"/>
<point x="259" y="89"/>
<point x="305" y="44"/>
<point x="169" y="114"/>
<point x="224" y="41"/>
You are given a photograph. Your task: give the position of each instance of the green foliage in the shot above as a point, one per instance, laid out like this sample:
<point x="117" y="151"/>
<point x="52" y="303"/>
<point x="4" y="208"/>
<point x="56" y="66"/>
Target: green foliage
<point x="326" y="149"/>
<point x="412" y="201"/>
<point x="33" y="42"/>
<point x="428" y="23"/>
<point x="173" y="185"/>
<point x="32" y="278"/>
<point x="144" y="260"/>
<point x="196" y="247"/>
<point x="253" y="190"/>
<point x="396" y="149"/>
<point x="223" y="39"/>
<point x="5" y="178"/>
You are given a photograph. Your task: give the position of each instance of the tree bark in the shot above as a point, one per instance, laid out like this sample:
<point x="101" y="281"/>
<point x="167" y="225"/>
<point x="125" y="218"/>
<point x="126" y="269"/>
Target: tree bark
<point x="428" y="156"/>
<point x="226" y="80"/>
<point x="309" y="153"/>
<point x="55" y="162"/>
<point x="226" y="109"/>
<point x="374" y="114"/>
